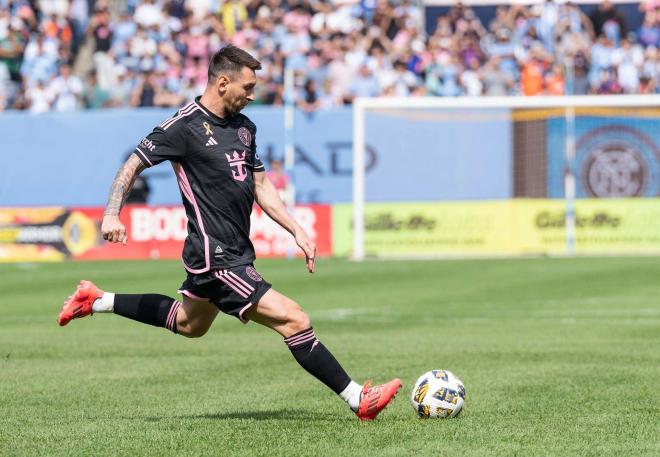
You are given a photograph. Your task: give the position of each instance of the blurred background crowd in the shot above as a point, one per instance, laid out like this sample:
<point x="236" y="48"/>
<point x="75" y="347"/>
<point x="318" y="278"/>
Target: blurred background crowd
<point x="66" y="55"/>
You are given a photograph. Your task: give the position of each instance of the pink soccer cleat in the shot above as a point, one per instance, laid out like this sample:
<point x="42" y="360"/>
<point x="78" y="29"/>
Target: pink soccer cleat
<point x="79" y="304"/>
<point x="374" y="399"/>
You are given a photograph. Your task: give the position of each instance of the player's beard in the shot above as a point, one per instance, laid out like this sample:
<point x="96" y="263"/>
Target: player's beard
<point x="234" y="109"/>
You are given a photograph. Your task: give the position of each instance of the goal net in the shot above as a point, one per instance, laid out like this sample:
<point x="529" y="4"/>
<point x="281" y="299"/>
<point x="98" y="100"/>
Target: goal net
<point x="436" y="177"/>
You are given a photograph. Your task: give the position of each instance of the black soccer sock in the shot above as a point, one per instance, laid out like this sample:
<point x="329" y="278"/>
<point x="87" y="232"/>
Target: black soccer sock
<point x="152" y="309"/>
<point x="317" y="360"/>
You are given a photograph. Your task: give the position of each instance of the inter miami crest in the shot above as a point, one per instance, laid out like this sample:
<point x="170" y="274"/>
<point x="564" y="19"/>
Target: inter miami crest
<point x="245" y="136"/>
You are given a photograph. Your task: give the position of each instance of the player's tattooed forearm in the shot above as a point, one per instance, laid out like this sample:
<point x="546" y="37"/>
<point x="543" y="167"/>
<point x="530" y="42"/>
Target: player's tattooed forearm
<point x="123" y="184"/>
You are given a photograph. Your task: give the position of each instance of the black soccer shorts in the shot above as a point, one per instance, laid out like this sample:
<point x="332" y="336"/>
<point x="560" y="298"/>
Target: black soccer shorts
<point x="233" y="290"/>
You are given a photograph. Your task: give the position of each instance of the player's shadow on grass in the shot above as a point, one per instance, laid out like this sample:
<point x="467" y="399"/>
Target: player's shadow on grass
<point x="292" y="414"/>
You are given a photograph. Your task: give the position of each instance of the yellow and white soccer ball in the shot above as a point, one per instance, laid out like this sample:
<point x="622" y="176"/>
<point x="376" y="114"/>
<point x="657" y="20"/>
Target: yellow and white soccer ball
<point x="438" y="393"/>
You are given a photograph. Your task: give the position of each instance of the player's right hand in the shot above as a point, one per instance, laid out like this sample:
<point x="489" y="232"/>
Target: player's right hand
<point x="113" y="230"/>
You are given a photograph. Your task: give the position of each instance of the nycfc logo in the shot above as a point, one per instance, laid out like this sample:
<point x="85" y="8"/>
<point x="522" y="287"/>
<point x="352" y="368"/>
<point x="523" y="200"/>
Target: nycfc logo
<point x="616" y="172"/>
<point x="238" y="161"/>
<point x="618" y="161"/>
<point x="253" y="274"/>
<point x="245" y="136"/>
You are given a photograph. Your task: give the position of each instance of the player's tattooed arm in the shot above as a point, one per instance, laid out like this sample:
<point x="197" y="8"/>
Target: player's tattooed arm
<point x="112" y="228"/>
<point x="123" y="184"/>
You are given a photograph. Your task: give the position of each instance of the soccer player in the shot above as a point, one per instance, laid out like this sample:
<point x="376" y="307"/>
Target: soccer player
<point x="212" y="149"/>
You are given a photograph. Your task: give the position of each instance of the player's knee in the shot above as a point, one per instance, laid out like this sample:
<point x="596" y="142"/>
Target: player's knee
<point x="298" y="321"/>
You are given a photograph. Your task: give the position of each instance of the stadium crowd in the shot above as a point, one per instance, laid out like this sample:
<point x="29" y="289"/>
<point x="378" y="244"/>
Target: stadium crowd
<point x="66" y="55"/>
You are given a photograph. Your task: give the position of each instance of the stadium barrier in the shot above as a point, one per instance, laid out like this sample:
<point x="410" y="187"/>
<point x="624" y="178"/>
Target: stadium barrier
<point x="56" y="234"/>
<point x="419" y="230"/>
<point x="501" y="227"/>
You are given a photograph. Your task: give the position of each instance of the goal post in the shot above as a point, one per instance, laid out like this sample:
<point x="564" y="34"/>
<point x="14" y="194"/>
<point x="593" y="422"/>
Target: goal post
<point x="570" y="151"/>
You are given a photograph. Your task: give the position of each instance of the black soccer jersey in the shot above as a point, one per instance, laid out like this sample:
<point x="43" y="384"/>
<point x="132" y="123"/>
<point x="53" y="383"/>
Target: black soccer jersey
<point x="213" y="159"/>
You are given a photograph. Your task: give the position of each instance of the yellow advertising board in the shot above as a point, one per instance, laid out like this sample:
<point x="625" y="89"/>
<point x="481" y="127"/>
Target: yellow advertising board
<point x="503" y="227"/>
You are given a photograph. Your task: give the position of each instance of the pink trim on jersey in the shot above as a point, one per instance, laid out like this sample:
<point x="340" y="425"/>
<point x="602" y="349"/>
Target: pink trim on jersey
<point x="224" y="279"/>
<point x="186" y="190"/>
<point x="176" y="116"/>
<point x="187" y="293"/>
<point x="242" y="311"/>
<point x="183" y="112"/>
<point x="200" y="107"/>
<point x="145" y="157"/>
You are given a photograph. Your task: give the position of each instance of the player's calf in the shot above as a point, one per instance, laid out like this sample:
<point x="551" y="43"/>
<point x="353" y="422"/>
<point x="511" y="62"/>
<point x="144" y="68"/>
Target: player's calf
<point x="153" y="309"/>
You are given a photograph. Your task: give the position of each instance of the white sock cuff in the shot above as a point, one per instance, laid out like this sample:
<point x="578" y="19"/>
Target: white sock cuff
<point x="106" y="304"/>
<point x="351" y="395"/>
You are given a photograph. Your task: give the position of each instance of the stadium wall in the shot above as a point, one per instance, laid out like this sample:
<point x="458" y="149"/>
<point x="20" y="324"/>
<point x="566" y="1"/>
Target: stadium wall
<point x="71" y="159"/>
<point x="496" y="193"/>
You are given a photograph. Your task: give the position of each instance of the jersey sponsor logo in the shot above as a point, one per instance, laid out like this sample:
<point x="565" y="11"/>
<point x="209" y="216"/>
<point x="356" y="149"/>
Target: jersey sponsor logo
<point x="253" y="273"/>
<point x="237" y="161"/>
<point x="148" y="144"/>
<point x="211" y="142"/>
<point x="245" y="136"/>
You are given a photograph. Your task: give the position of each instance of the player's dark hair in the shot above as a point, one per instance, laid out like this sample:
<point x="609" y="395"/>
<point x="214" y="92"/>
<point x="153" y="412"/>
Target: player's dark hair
<point x="231" y="59"/>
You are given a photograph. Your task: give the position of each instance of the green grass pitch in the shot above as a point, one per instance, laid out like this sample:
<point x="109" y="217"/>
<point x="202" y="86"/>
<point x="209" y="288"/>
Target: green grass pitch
<point x="559" y="357"/>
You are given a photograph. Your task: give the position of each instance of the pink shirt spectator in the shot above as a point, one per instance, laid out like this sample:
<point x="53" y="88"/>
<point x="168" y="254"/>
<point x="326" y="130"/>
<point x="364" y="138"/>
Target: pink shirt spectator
<point x="279" y="180"/>
<point x="198" y="45"/>
<point x="297" y="19"/>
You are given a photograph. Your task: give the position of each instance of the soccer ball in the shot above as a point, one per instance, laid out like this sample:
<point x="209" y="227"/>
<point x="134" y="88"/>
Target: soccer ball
<point x="438" y="393"/>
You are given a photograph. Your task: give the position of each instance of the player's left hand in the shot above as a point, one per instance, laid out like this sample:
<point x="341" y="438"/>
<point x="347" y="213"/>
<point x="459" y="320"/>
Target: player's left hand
<point x="309" y="248"/>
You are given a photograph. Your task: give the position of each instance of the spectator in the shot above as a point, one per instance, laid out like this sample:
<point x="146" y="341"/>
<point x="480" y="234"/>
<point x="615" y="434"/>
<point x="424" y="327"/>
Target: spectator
<point x="281" y="181"/>
<point x="233" y="14"/>
<point x="39" y="98"/>
<point x="148" y="14"/>
<point x="401" y="79"/>
<point x="554" y="81"/>
<point x="496" y="81"/>
<point x="153" y="53"/>
<point x="146" y="91"/>
<point x="531" y="78"/>
<point x="608" y="84"/>
<point x="95" y="97"/>
<point x="471" y="83"/>
<point x="581" y="85"/>
<point x="365" y="84"/>
<point x="649" y="32"/>
<point x="66" y="90"/>
<point x="308" y="100"/>
<point x="628" y="60"/>
<point x="608" y="21"/>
